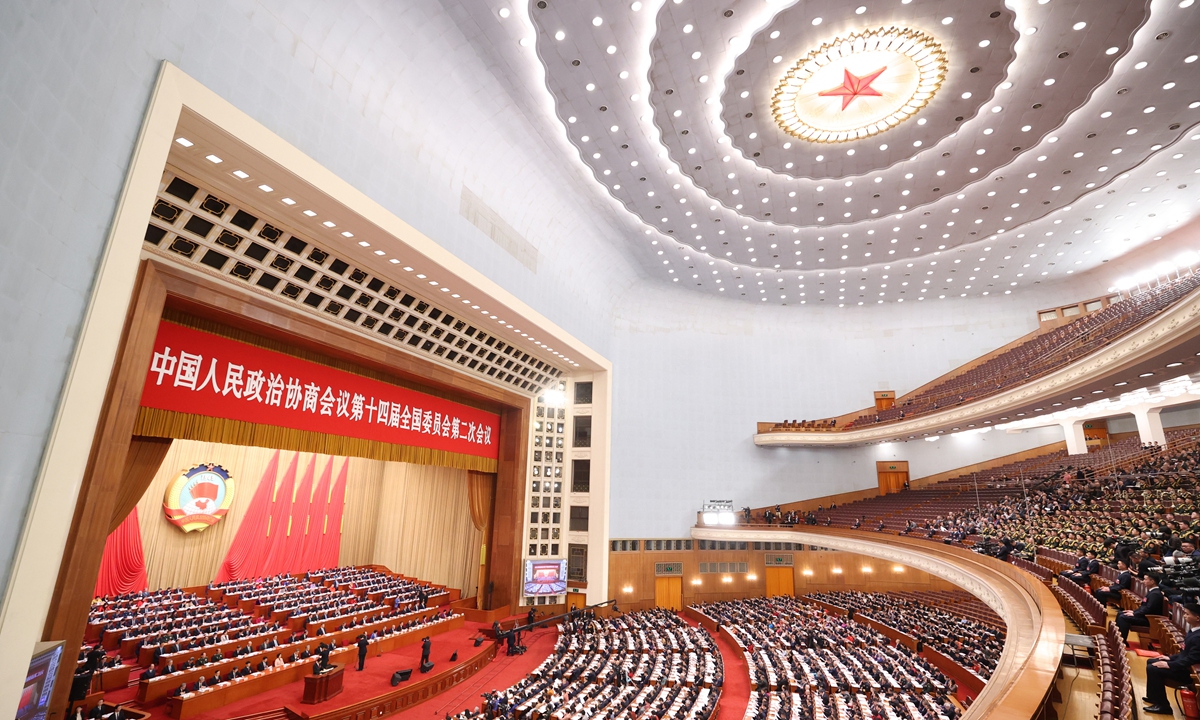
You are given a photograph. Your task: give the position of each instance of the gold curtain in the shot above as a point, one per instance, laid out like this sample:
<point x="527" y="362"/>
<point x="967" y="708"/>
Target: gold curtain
<point x="424" y="527"/>
<point x="480" y="489"/>
<point x="414" y="519"/>
<point x="141" y="464"/>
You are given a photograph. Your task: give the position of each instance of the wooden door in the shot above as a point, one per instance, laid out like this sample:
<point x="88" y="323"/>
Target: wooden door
<point x="668" y="592"/>
<point x="780" y="581"/>
<point x="576" y="600"/>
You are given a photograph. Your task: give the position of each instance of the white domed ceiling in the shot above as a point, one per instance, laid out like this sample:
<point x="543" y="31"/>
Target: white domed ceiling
<point x="820" y="152"/>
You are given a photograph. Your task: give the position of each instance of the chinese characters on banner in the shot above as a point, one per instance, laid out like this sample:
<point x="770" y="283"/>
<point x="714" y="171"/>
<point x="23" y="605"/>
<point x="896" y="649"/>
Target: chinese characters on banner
<point x="204" y="374"/>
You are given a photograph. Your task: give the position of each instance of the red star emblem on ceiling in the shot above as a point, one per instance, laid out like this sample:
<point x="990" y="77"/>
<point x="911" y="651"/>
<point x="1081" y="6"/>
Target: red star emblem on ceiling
<point x="855" y="86"/>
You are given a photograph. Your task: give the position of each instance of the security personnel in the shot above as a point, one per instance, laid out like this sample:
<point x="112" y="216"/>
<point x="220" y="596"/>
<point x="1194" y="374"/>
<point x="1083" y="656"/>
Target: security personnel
<point x="1178" y="667"/>
<point x="1152" y="605"/>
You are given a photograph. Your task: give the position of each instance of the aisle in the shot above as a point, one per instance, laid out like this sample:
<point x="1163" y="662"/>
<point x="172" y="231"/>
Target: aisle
<point x="502" y="673"/>
<point x="735" y="695"/>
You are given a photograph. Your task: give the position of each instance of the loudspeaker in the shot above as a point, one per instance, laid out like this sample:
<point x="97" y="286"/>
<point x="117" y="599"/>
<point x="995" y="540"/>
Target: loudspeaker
<point x="454" y="657"/>
<point x="426" y="667"/>
<point x="400" y="676"/>
<point x="478" y="641"/>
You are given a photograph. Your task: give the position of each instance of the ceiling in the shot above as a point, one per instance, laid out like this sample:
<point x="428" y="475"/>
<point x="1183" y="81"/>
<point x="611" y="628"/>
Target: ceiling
<point x="1064" y="133"/>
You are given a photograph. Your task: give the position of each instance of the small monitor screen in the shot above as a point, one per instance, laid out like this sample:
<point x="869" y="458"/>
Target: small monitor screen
<point x="545" y="577"/>
<point x="39" y="682"/>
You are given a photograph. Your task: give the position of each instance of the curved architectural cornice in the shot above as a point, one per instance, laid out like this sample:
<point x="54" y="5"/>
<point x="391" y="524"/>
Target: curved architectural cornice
<point x="1027" y="668"/>
<point x="1179" y="323"/>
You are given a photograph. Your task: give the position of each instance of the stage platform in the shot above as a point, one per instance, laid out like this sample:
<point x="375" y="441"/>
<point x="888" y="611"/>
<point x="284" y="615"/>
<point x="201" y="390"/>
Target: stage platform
<point x="372" y="686"/>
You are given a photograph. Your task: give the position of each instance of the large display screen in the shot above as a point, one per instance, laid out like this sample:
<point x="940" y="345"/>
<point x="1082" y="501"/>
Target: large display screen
<point x="545" y="577"/>
<point x="39" y="682"/>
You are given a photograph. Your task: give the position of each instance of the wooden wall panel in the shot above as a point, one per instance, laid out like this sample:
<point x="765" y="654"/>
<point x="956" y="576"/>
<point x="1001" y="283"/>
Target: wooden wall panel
<point x="632" y="581"/>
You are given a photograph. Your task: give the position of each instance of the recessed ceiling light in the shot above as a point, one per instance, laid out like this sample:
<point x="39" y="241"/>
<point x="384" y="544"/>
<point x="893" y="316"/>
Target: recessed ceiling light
<point x="597" y="21"/>
<point x="816" y="21"/>
<point x="266" y="188"/>
<point x="378" y="252"/>
<point x="288" y="201"/>
<point x="1079" y="26"/>
<point x="310" y="213"/>
<point x="1146" y="374"/>
<point x="984" y="43"/>
<point x="407" y="269"/>
<point x="329" y="223"/>
<point x="364" y="243"/>
<point x="504" y="12"/>
<point x="1080" y="397"/>
<point x="947" y="20"/>
<point x="347" y="233"/>
<point x="1112" y="51"/>
<point x="559" y="35"/>
<point x="240" y="175"/>
<point x="184" y="141"/>
<point x="213" y="159"/>
<point x="1174" y="364"/>
<point x="1096" y="392"/>
<point x="394" y="261"/>
<point x="1120" y="384"/>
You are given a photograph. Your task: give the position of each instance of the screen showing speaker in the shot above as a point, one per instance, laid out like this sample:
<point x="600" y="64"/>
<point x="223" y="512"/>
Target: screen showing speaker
<point x="39" y="681"/>
<point x="545" y="577"/>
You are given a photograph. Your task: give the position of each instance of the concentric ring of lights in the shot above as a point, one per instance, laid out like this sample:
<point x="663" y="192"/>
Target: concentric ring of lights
<point x="919" y="48"/>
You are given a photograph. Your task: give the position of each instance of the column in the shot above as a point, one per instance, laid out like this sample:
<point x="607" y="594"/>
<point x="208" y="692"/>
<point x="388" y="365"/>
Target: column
<point x="1149" y="425"/>
<point x="1073" y="432"/>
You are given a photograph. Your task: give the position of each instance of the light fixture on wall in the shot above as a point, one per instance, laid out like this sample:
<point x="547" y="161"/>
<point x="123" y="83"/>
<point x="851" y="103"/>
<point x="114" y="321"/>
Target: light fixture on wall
<point x="554" y="398"/>
<point x="751" y="577"/>
<point x="836" y="571"/>
<point x="726" y="579"/>
<point x="696" y="581"/>
<point x="867" y="569"/>
<point x="897" y="568"/>
<point x="627" y="589"/>
<point x="806" y="572"/>
<point x="718" y="512"/>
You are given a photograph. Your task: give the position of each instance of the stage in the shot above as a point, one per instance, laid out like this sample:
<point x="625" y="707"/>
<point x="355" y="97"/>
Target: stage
<point x="373" y="683"/>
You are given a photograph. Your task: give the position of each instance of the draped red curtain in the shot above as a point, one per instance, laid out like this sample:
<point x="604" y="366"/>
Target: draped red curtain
<point x="331" y="541"/>
<point x="281" y="514"/>
<point x="123" y="566"/>
<point x="293" y="554"/>
<point x="316" y="522"/>
<point x="248" y="550"/>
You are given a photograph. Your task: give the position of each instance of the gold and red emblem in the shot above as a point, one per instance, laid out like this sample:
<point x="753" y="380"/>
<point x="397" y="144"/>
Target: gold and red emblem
<point x="199" y="497"/>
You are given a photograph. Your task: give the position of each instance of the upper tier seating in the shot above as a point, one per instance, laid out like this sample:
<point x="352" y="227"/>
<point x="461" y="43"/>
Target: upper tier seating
<point x="806" y="663"/>
<point x="1041" y="355"/>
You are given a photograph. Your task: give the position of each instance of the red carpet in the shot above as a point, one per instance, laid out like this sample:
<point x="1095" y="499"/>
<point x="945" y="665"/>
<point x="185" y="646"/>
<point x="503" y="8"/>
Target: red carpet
<point x="735" y="695"/>
<point x="374" y="680"/>
<point x="501" y="674"/>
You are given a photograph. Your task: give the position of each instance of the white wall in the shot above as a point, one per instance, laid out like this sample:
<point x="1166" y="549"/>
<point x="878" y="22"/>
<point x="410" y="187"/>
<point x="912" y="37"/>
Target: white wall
<point x="694" y="374"/>
<point x="1174" y="417"/>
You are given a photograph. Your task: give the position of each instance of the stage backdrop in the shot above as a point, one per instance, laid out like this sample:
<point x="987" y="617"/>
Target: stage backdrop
<point x="414" y="519"/>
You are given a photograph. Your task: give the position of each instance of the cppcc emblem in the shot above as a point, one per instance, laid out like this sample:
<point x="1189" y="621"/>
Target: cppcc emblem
<point x="199" y="497"/>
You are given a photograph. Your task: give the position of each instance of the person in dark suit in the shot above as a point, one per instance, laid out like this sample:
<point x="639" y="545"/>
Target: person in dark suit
<point x="426" y="647"/>
<point x="1152" y="605"/>
<point x="1112" y="593"/>
<point x="362" y="651"/>
<point x="323" y="653"/>
<point x="1087" y="566"/>
<point x="1177" y="667"/>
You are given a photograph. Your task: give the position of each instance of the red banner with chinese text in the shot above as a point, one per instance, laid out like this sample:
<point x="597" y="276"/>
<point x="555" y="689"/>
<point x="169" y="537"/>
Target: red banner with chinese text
<point x="204" y="374"/>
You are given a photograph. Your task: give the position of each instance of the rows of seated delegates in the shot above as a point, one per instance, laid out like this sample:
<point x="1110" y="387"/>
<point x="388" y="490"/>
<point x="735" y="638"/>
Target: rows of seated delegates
<point x="972" y="644"/>
<point x="1118" y="526"/>
<point x="390" y="590"/>
<point x="807" y="663"/>
<point x="185" y="643"/>
<point x="637" y="666"/>
<point x="1034" y="358"/>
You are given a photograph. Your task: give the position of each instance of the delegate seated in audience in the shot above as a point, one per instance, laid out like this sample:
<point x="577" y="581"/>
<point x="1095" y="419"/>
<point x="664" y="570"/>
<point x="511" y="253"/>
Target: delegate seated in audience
<point x="1084" y="569"/>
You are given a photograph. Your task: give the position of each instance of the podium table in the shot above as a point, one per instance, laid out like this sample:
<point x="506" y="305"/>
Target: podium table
<point x="319" y="688"/>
